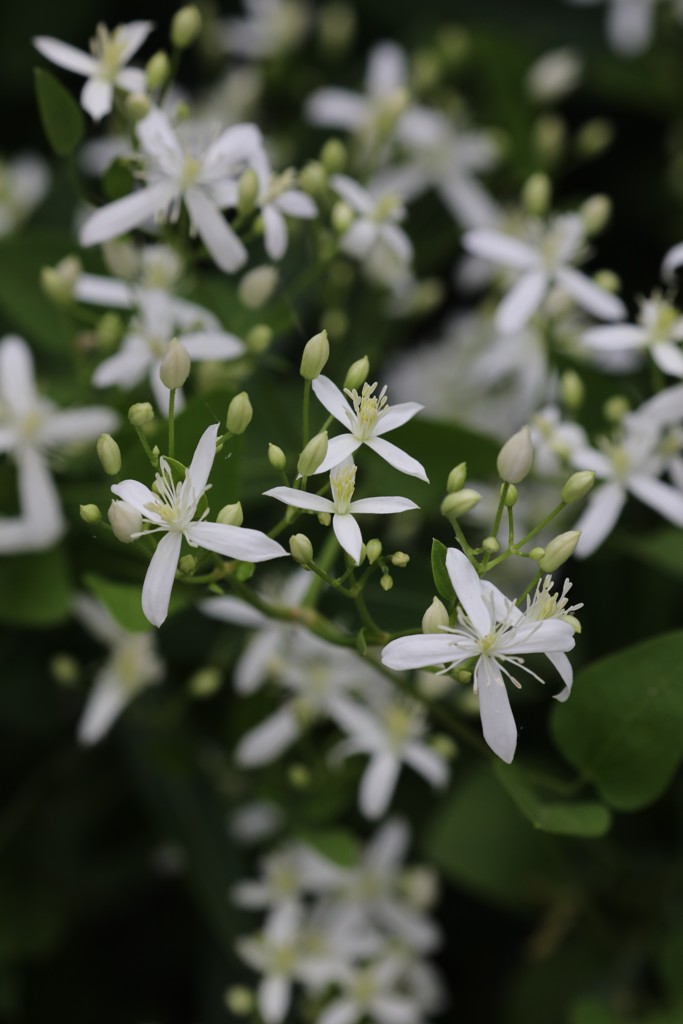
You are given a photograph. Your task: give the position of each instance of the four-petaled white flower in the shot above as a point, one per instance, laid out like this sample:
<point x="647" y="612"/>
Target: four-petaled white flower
<point x="341" y="506"/>
<point x="375" y="238"/>
<point x="105" y="67"/>
<point x="24" y="180"/>
<point x="630" y="23"/>
<point x="545" y="259"/>
<point x="171" y="511"/>
<point x="31" y="427"/>
<point x="201" y="177"/>
<point x="494" y="631"/>
<point x="659" y="330"/>
<point x="368" y="418"/>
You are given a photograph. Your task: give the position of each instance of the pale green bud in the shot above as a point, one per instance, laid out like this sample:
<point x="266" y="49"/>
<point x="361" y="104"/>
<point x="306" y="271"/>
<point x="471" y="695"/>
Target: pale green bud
<point x="550" y="137"/>
<point x="373" y="550"/>
<point x="596" y="212"/>
<point x="511" y="496"/>
<point x="594" y="137"/>
<point x="456" y="478"/>
<point x="357" y="374"/>
<point x="459" y="503"/>
<point x="277" y="458"/>
<point x="140" y="413"/>
<point x="386" y="582"/>
<point x="248" y="191"/>
<point x="491" y="544"/>
<point x="257" y="286"/>
<point x="615" y="408"/>
<point x="578" y="485"/>
<point x="240" y="1000"/>
<point x="299" y="776"/>
<point x="333" y="156"/>
<point x="158" y="70"/>
<point x="607" y="279"/>
<point x="463" y="676"/>
<point x="301" y="549"/>
<point x="259" y="338"/>
<point x="187" y="564"/>
<point x="313" y="454"/>
<point x="312" y="178"/>
<point x="186" y="26"/>
<point x="58" y="282"/>
<point x="559" y="550"/>
<point x="90" y="514"/>
<point x="400" y="559"/>
<point x="205" y="683"/>
<point x="125" y="521"/>
<point x="315" y="355"/>
<point x="109" y="330"/>
<point x="537" y="554"/>
<point x="175" y="366"/>
<point x="516" y="457"/>
<point x="324" y="518"/>
<point x="240" y="413"/>
<point x="231" y="515"/>
<point x="443" y="745"/>
<point x="109" y="454"/>
<point x="336" y="25"/>
<point x="342" y="217"/>
<point x="65" y="669"/>
<point x="537" y="194"/>
<point x="435" y="617"/>
<point x="572" y="390"/>
<point x="137" y="105"/>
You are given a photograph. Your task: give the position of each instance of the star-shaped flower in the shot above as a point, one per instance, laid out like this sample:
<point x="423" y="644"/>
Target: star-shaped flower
<point x="659" y="329"/>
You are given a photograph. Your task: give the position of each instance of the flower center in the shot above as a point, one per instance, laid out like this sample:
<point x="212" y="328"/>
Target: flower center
<point x="343" y="483"/>
<point x="175" y="507"/>
<point x="364" y="986"/>
<point x="283" y="959"/>
<point x="388" y="208"/>
<point x="400" y="724"/>
<point x="108" y="48"/>
<point x="189" y="171"/>
<point x="369" y="409"/>
<point x="30" y="425"/>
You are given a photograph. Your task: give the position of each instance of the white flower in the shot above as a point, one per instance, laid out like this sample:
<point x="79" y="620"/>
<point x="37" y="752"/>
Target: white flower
<point x="133" y="665"/>
<point x="372" y="992"/>
<point x="269" y="28"/>
<point x="201" y="177"/>
<point x="158" y="320"/>
<point x="171" y="511"/>
<point x="368" y="418"/>
<point x="342" y="506"/>
<point x="31" y="427"/>
<point x="286" y="876"/>
<point x="555" y="441"/>
<point x="375" y="238"/>
<point x="278" y="954"/>
<point x="105" y="67"/>
<point x="659" y="329"/>
<point x="493" y="630"/>
<point x="278" y="198"/>
<point x="543" y="261"/>
<point x="24" y="181"/>
<point x="630" y="23"/>
<point x="554" y="75"/>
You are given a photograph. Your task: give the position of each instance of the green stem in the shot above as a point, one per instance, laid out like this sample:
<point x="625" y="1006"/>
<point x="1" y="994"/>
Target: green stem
<point x="171" y="422"/>
<point x="496" y="522"/>
<point x="307" y="412"/>
<point x="145" y="444"/>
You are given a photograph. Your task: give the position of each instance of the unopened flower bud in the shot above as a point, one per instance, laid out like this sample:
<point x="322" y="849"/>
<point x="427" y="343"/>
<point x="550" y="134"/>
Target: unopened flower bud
<point x="342" y="217"/>
<point x="257" y="286"/>
<point x="456" y="478"/>
<point x="333" y="156"/>
<point x="578" y="485"/>
<point x="357" y="374"/>
<point x="400" y="559"/>
<point x="205" y="683"/>
<point x="186" y="26"/>
<point x="324" y="518"/>
<point x="158" y="70"/>
<point x="336" y="25"/>
<point x="615" y="408"/>
<point x="125" y="521"/>
<point x="463" y="676"/>
<point x="259" y="338"/>
<point x="572" y="390"/>
<point x="240" y="413"/>
<point x="240" y="1000"/>
<point x="248" y="190"/>
<point x="301" y="549"/>
<point x="516" y="457"/>
<point x="187" y="564"/>
<point x="231" y="515"/>
<point x="90" y="514"/>
<point x="386" y="582"/>
<point x="299" y="776"/>
<point x="537" y="194"/>
<point x="554" y="75"/>
<point x="444" y="746"/>
<point x="315" y="355"/>
<point x="58" y="282"/>
<point x="373" y="550"/>
<point x="313" y="454"/>
<point x="65" y="669"/>
<point x="435" y="617"/>
<point x="109" y="331"/>
<point x="537" y="554"/>
<point x="594" y="137"/>
<point x="608" y="279"/>
<point x="138" y="105"/>
<point x="491" y="544"/>
<point x="140" y="413"/>
<point x="109" y="454"/>
<point x="277" y="458"/>
<point x="559" y="550"/>
<point x="455" y="505"/>
<point x="550" y="137"/>
<point x="511" y="496"/>
<point x="175" y="366"/>
<point x="595" y="213"/>
<point x="312" y="178"/>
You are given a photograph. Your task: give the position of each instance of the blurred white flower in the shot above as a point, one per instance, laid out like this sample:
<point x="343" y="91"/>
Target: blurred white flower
<point x="269" y="28"/>
<point x="554" y="75"/>
<point x="375" y="238"/>
<point x="659" y="331"/>
<point x="630" y="24"/>
<point x="277" y="199"/>
<point x="24" y="181"/>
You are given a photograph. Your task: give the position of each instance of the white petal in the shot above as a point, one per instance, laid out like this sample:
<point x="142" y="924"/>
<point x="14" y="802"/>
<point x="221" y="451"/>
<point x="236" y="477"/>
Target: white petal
<point x="97" y="98"/>
<point x="335" y="108"/>
<point x="497" y="721"/>
<point x="355" y="719"/>
<point x="197" y="475"/>
<point x="668" y="358"/>
<point x="672" y="261"/>
<point x="564" y="666"/>
<point x="338" y="450"/>
<point x="469" y="203"/>
<point x="65" y="56"/>
<point x="397" y="1009"/>
<point x="265" y="743"/>
<point x="234" y="542"/>
<point x="382" y="506"/>
<point x="131" y="80"/>
<point x="124" y="214"/>
<point x="17" y="377"/>
<point x="359" y="240"/>
<point x="396" y="416"/>
<point x="387" y="70"/>
<point x="156" y="590"/>
<point x="347" y="532"/>
<point x="629" y="26"/>
<point x="427" y="763"/>
<point x="378" y="784"/>
<point x="615" y="337"/>
<point x="499" y="248"/>
<point x="223" y="245"/>
<point x="254" y="665"/>
<point x="541" y="637"/>
<point x="423" y="651"/>
<point x="329" y="395"/>
<point x="589" y="295"/>
<point x="300" y="499"/>
<point x="96" y="619"/>
<point x="233" y="610"/>
<point x="39" y="500"/>
<point x="105" y="702"/>
<point x="340" y="1011"/>
<point x="355" y="195"/>
<point x="599" y="517"/>
<point x="69" y="426"/>
<point x="234" y="146"/>
<point x="158" y="139"/>
<point x="104" y="291"/>
<point x="274" y="996"/>
<point x="398" y="242"/>
<point x="389" y="846"/>
<point x="660" y="496"/>
<point x="126" y="368"/>
<point x="139" y="496"/>
<point x="521" y="302"/>
<point x="275" y="232"/>
<point x="469" y="589"/>
<point x="133" y="34"/>
<point x="295" y="203"/>
<point x="202" y="345"/>
<point x="397" y="458"/>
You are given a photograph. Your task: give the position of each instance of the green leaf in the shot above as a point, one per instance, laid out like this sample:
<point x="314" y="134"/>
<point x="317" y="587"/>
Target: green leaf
<point x="61" y="116"/>
<point x="623" y="727"/>
<point x="335" y="844"/>
<point x="35" y="589"/>
<point x="442" y="580"/>
<point x="587" y="818"/>
<point x="122" y="601"/>
<point x="662" y="549"/>
<point x="22" y="301"/>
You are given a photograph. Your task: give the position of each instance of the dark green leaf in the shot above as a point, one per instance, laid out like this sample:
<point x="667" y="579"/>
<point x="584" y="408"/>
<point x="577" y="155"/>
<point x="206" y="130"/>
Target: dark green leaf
<point x="35" y="589"/>
<point x="334" y="844"/>
<point x="587" y="818"/>
<point x="61" y="116"/>
<point x="122" y="601"/>
<point x="442" y="580"/>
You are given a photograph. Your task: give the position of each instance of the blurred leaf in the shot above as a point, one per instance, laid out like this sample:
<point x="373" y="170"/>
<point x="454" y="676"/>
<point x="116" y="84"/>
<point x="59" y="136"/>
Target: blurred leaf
<point x="334" y="844"/>
<point x="122" y="600"/>
<point x="35" y="589"/>
<point x="567" y="817"/>
<point x="442" y="580"/>
<point x="118" y="180"/>
<point x="623" y="727"/>
<point x="662" y="549"/>
<point x="31" y="918"/>
<point x="669" y="964"/>
<point x="61" y="116"/>
<point x="21" y="300"/>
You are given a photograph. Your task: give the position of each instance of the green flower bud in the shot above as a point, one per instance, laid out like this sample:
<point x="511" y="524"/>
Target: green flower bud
<point x="559" y="550"/>
<point x="205" y="683"/>
<point x="550" y="137"/>
<point x="336" y="25"/>
<point x="312" y="178"/>
<point x="231" y="515"/>
<point x="137" y="105"/>
<point x="299" y="776"/>
<point x="65" y="669"/>
<point x="615" y="408"/>
<point x="240" y="413"/>
<point x="594" y="137"/>
<point x="259" y="338"/>
<point x="386" y="582"/>
<point x="455" y="505"/>
<point x="516" y="457"/>
<point x="90" y="514"/>
<point x="313" y="454"/>
<point x="443" y="745"/>
<point x="186" y="26"/>
<point x="109" y="454"/>
<point x="511" y="496"/>
<point x="187" y="564"/>
<point x="491" y="544"/>
<point x="257" y="286"/>
<point x="109" y="331"/>
<point x="608" y="280"/>
<point x="333" y="156"/>
<point x="58" y="282"/>
<point x="456" y="478"/>
<point x="175" y="366"/>
<point x="315" y="355"/>
<point x="301" y="549"/>
<point x="537" y="554"/>
<point x="537" y="194"/>
<point x="463" y="676"/>
<point x="435" y="617"/>
<point x="140" y="413"/>
<point x="357" y="374"/>
<point x="596" y="212"/>
<point x="578" y="485"/>
<point x="158" y="70"/>
<point x="400" y="559"/>
<point x="125" y="521"/>
<point x="277" y="458"/>
<point x="240" y="1000"/>
<point x="324" y="518"/>
<point x="248" y="191"/>
<point x="572" y="390"/>
<point x="342" y="217"/>
<point x="373" y="549"/>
